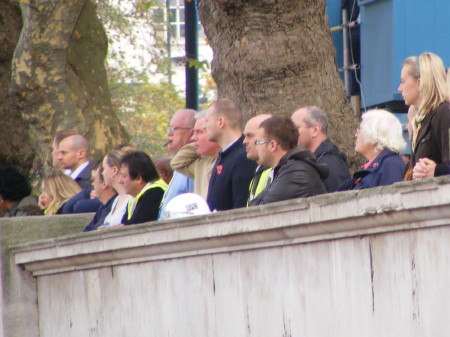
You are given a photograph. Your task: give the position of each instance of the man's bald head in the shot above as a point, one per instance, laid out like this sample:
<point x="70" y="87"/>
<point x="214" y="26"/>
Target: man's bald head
<point x="59" y="136"/>
<point x="73" y="151"/>
<point x="180" y="129"/>
<point x="186" y="117"/>
<point x="250" y="131"/>
<point x="78" y="142"/>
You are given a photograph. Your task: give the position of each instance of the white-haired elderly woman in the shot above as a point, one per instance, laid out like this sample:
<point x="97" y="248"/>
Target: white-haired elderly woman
<point x="379" y="139"/>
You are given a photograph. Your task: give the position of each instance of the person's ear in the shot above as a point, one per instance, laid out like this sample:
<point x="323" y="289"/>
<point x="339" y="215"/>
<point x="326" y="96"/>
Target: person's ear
<point x="81" y="153"/>
<point x="273" y="145"/>
<point x="139" y="179"/>
<point x="221" y="122"/>
<point x="164" y="173"/>
<point x="315" y="130"/>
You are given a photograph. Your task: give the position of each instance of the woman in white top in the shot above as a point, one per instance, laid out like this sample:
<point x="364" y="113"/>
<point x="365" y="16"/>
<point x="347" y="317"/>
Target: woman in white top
<point x="111" y="170"/>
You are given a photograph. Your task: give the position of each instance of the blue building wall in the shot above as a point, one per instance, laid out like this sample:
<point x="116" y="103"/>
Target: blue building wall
<point x="392" y="30"/>
<point x="334" y="17"/>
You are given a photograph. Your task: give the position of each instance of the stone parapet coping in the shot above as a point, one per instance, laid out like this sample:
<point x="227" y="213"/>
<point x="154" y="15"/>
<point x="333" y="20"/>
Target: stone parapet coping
<point x="402" y="206"/>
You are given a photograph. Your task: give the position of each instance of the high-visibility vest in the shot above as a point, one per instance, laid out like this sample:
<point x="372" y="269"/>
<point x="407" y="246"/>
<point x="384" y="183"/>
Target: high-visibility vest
<point x="133" y="202"/>
<point x="258" y="184"/>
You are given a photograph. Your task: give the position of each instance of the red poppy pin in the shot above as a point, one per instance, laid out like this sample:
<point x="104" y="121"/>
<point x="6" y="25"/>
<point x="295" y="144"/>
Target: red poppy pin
<point x="219" y="169"/>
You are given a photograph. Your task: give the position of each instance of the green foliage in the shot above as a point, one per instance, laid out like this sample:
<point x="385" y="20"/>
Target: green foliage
<point x="143" y="105"/>
<point x="137" y="26"/>
<point x="202" y="65"/>
<point x="145" y="110"/>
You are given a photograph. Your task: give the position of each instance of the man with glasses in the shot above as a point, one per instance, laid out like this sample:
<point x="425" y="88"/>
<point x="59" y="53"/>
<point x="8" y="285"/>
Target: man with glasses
<point x="179" y="134"/>
<point x="197" y="159"/>
<point x="261" y="178"/>
<point x="296" y="174"/>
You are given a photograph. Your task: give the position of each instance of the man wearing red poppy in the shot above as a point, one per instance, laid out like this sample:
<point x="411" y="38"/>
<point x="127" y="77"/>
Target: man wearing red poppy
<point x="233" y="171"/>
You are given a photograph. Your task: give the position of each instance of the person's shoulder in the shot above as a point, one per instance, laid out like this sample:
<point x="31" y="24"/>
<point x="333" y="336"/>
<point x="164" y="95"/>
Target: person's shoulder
<point x="329" y="149"/>
<point x="443" y="107"/>
<point x="156" y="190"/>
<point x="393" y="158"/>
<point x="440" y="114"/>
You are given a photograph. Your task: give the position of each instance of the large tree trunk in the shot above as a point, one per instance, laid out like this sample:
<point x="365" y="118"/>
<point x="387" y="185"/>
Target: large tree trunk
<point x="59" y="75"/>
<point x="274" y="56"/>
<point x="15" y="147"/>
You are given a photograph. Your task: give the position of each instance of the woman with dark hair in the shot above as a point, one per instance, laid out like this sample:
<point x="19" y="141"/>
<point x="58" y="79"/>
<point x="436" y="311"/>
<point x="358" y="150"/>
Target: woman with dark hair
<point x="15" y="198"/>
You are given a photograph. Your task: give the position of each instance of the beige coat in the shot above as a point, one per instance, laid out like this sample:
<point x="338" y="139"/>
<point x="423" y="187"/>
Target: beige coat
<point x="199" y="168"/>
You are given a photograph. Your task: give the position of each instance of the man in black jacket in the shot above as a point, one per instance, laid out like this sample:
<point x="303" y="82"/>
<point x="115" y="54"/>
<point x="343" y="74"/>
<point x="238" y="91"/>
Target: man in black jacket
<point x="105" y="193"/>
<point x="140" y="179"/>
<point x="233" y="171"/>
<point x="296" y="174"/>
<point x="312" y="125"/>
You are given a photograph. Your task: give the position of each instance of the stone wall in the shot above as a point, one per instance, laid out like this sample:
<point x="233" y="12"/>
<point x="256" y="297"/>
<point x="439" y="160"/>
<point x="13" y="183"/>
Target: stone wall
<point x="359" y="263"/>
<point x="19" y="312"/>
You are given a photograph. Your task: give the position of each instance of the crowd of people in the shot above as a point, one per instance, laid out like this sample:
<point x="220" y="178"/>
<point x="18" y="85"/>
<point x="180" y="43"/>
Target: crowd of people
<point x="218" y="166"/>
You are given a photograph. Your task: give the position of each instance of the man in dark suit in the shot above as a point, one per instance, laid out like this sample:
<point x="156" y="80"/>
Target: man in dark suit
<point x="233" y="171"/>
<point x="72" y="154"/>
<point x="105" y="193"/>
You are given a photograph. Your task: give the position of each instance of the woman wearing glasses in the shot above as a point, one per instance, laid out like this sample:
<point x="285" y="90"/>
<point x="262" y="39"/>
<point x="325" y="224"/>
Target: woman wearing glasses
<point x="379" y="139"/>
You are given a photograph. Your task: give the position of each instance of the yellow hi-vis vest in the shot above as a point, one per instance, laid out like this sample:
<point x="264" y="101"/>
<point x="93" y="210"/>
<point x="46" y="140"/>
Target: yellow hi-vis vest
<point x="133" y="202"/>
<point x="261" y="184"/>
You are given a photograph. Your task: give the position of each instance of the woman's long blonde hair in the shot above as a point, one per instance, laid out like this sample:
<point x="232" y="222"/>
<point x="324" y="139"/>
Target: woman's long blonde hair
<point x="61" y="188"/>
<point x="448" y="84"/>
<point x="429" y="68"/>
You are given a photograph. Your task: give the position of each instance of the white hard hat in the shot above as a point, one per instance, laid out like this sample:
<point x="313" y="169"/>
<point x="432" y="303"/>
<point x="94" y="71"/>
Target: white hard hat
<point x="184" y="205"/>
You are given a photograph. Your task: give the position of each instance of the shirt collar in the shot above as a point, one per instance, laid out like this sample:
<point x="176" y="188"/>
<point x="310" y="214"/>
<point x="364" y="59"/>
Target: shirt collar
<point x="229" y="145"/>
<point x="78" y="170"/>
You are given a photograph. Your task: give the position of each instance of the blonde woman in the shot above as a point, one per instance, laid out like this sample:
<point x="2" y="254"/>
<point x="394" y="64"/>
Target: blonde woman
<point x="423" y="85"/>
<point x="111" y="170"/>
<point x="57" y="188"/>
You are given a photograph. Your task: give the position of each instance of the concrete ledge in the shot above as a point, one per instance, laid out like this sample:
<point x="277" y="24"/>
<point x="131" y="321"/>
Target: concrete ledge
<point x="19" y="314"/>
<point x="402" y="206"/>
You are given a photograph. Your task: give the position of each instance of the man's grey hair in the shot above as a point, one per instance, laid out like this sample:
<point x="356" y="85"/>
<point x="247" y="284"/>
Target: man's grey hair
<point x="200" y="114"/>
<point x="316" y="116"/>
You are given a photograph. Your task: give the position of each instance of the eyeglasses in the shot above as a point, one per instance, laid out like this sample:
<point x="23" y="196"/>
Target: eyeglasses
<point x="260" y="142"/>
<point x="172" y="129"/>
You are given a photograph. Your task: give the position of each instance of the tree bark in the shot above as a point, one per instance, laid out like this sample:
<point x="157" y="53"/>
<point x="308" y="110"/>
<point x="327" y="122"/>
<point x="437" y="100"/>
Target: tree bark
<point x="15" y="147"/>
<point x="59" y="76"/>
<point x="275" y="56"/>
